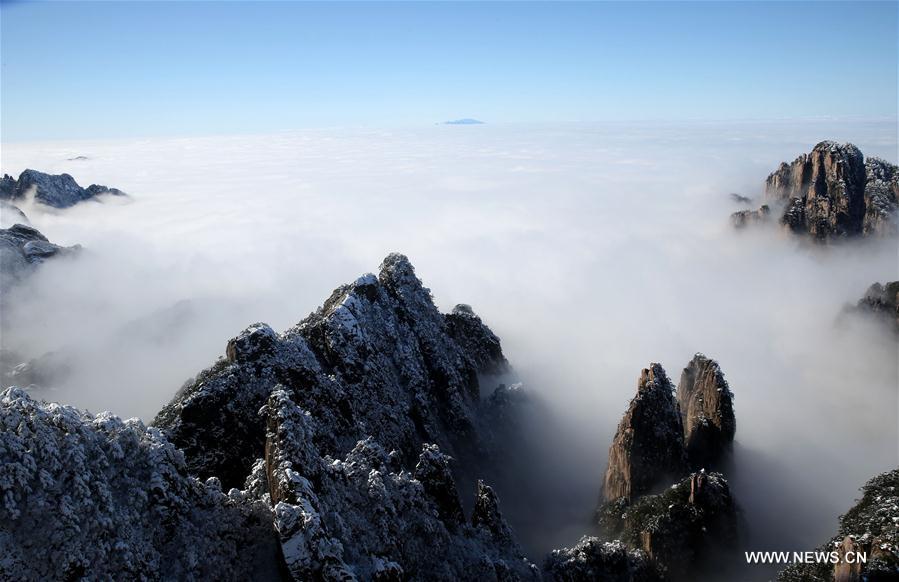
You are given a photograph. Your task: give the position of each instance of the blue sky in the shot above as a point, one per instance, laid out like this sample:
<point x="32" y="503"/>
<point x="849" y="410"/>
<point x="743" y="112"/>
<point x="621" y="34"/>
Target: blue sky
<point x="118" y="69"/>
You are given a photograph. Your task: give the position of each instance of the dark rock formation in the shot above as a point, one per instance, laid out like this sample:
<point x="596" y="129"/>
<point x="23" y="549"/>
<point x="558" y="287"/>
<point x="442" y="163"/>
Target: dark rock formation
<point x="707" y="409"/>
<point x="870" y="527"/>
<point x="657" y="440"/>
<point x="593" y="559"/>
<point x="881" y="196"/>
<point x="58" y="191"/>
<point x="467" y="329"/>
<point x="679" y="527"/>
<point x="433" y="471"/>
<point x="377" y="359"/>
<point x="744" y="218"/>
<point x="648" y="448"/>
<point x="381" y="381"/>
<point x="102" y="498"/>
<point x="881" y="302"/>
<point x="833" y="193"/>
<point x="22" y="248"/>
<point x="363" y="517"/>
<point x="740" y="199"/>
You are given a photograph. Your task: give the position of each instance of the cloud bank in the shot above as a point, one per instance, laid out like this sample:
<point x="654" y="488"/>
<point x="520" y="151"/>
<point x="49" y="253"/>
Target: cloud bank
<point x="592" y="250"/>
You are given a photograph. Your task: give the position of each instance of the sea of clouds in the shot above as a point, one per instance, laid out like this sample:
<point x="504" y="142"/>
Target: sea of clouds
<point x="592" y="250"/>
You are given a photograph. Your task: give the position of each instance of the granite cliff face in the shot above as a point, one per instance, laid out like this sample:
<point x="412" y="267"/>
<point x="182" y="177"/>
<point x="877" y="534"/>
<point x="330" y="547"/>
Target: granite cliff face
<point x="707" y="410"/>
<point x="648" y="447"/>
<point x="871" y="526"/>
<point x="58" y="191"/>
<point x="659" y="438"/>
<point x="832" y="193"/>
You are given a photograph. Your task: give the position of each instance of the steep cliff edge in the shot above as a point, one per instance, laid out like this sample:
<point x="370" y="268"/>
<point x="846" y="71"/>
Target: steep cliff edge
<point x="832" y="193"/>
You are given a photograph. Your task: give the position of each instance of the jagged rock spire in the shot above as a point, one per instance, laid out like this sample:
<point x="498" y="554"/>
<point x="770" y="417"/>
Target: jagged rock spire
<point x="648" y="447"/>
<point x="707" y="410"/>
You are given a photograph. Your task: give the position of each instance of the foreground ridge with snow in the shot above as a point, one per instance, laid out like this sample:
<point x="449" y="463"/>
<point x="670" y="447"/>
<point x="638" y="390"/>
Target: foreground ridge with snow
<point x="101" y="497"/>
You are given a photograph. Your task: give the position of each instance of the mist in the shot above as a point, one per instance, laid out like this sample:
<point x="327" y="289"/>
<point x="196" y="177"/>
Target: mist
<point x="591" y="250"/>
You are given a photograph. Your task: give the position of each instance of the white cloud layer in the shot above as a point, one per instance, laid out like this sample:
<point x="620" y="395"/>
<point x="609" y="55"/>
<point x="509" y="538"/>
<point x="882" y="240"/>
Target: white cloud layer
<point x="591" y="250"/>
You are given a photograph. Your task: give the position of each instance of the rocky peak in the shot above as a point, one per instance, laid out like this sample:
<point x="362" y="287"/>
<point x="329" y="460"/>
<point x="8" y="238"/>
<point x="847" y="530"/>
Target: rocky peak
<point x="476" y="339"/>
<point x="707" y="410"/>
<point x="881" y="302"/>
<point x="881" y="197"/>
<point x="375" y="369"/>
<point x="648" y="447"/>
<point x="22" y="248"/>
<point x="831" y="193"/>
<point x="829" y="166"/>
<point x="433" y="470"/>
<point x="58" y="191"/>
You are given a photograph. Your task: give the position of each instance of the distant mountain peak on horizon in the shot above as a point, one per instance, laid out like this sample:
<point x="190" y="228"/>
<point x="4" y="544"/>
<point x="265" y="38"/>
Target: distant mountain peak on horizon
<point x="464" y="121"/>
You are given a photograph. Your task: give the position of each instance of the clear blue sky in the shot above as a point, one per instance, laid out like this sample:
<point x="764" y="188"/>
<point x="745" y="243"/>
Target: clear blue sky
<point x="84" y="70"/>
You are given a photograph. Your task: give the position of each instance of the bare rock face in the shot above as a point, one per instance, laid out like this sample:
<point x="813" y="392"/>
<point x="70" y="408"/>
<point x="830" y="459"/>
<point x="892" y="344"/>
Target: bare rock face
<point x="870" y="527"/>
<point x="593" y="559"/>
<point x="648" y="448"/>
<point x="102" y="498"/>
<point x="831" y="193"/>
<point x="58" y="191"/>
<point x="707" y="409"/>
<point x="681" y="526"/>
<point x="881" y="196"/>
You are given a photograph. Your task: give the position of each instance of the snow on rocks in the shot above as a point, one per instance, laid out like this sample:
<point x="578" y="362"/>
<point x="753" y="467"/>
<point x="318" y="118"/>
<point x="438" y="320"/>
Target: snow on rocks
<point x="98" y="496"/>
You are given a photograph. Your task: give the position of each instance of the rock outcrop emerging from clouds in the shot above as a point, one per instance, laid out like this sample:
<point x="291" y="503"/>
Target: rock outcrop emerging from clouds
<point x="707" y="410"/>
<point x="833" y="193"/>
<point x="55" y="190"/>
<point x="648" y="447"/>
<point x="22" y="249"/>
<point x="345" y="423"/>
<point x="881" y="301"/>
<point x="658" y="440"/>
